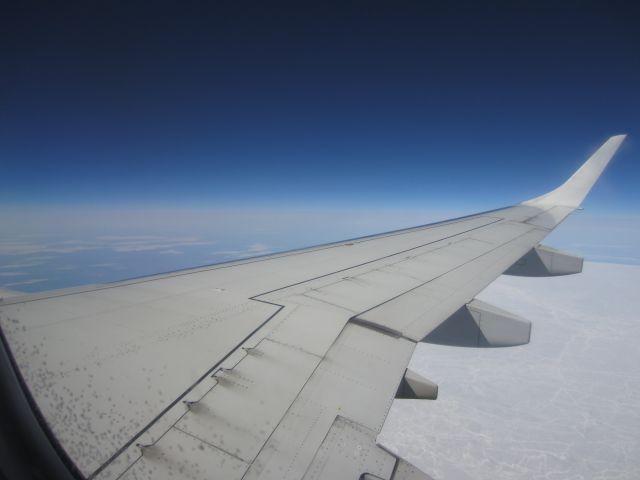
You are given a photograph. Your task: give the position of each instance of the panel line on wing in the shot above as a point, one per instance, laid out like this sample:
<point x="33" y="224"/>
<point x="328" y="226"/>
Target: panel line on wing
<point x="368" y="323"/>
<point x="186" y="392"/>
<point x="380" y="258"/>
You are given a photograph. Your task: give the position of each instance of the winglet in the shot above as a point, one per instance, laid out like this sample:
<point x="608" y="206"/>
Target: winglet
<point x="572" y="192"/>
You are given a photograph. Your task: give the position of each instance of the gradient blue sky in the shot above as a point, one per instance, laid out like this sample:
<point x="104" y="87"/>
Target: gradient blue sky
<point x="309" y="121"/>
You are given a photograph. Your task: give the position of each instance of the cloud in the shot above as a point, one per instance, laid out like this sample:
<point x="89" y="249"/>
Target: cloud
<point x="149" y="243"/>
<point x="21" y="265"/>
<point x="145" y="247"/>
<point x="258" y="248"/>
<point x="12" y="274"/>
<point x="115" y="243"/>
<point x="171" y="251"/>
<point x="251" y="250"/>
<point x="25" y="282"/>
<point x="16" y="248"/>
<point x="111" y="238"/>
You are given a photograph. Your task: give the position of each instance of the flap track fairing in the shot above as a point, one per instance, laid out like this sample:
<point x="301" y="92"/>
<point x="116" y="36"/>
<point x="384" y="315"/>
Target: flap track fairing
<point x="478" y="324"/>
<point x="544" y="261"/>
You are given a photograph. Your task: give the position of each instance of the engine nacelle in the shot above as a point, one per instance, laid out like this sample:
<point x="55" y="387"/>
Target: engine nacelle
<point x="544" y="261"/>
<point x="479" y="324"/>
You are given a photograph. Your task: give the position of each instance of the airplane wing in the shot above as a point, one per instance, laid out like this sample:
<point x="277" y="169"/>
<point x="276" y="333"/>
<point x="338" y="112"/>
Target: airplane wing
<point x="276" y="367"/>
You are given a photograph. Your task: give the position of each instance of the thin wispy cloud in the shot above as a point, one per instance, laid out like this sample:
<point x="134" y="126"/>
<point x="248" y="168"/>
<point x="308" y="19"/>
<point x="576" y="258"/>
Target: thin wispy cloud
<point x="138" y="243"/>
<point x="142" y="247"/>
<point x="116" y="238"/>
<point x="15" y="248"/>
<point x="25" y="282"/>
<point x="79" y="259"/>
<point x="150" y="243"/>
<point x="251" y="250"/>
<point x="258" y="247"/>
<point x="20" y="265"/>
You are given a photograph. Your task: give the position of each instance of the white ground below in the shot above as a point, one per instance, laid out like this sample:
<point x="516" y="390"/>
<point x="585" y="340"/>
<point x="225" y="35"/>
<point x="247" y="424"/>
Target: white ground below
<point x="566" y="406"/>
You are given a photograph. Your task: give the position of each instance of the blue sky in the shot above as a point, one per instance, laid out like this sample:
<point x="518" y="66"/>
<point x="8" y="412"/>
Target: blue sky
<point x="249" y="128"/>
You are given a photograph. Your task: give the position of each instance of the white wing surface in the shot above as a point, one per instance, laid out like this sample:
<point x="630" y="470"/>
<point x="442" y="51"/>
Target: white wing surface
<point x="277" y="367"/>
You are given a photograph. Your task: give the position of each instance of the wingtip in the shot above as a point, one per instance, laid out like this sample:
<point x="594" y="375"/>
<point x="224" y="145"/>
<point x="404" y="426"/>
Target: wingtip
<point x="615" y="141"/>
<point x="572" y="192"/>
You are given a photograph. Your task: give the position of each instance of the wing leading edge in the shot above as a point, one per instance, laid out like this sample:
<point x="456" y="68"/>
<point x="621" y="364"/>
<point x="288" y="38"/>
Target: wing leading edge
<point x="279" y="367"/>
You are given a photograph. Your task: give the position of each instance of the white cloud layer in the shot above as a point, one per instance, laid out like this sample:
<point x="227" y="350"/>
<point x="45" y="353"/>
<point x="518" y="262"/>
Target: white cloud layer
<point x="251" y="250"/>
<point x="25" y="282"/>
<point x="112" y="243"/>
<point x="566" y="406"/>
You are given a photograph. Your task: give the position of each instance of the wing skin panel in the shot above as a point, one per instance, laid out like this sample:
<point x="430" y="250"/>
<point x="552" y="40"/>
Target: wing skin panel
<point x="178" y="455"/>
<point x="309" y="325"/>
<point x="356" y="293"/>
<point x="99" y="378"/>
<point x="238" y="408"/>
<point x="343" y="450"/>
<point x="551" y="217"/>
<point x="357" y="380"/>
<point x="241" y="411"/>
